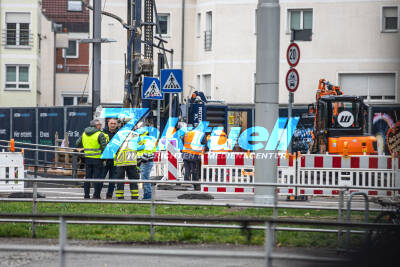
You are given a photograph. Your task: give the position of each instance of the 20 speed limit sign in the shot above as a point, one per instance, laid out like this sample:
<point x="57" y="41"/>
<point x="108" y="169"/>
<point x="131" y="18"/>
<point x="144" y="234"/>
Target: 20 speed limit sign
<point x="293" y="55"/>
<point x="292" y="80"/>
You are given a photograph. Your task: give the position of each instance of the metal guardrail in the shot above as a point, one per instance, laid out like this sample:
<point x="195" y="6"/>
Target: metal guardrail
<point x="267" y="255"/>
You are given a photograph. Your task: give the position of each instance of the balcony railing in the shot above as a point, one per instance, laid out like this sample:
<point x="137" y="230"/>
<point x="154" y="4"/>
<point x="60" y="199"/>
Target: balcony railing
<point x="73" y="68"/>
<point x="12" y="39"/>
<point x="207" y="40"/>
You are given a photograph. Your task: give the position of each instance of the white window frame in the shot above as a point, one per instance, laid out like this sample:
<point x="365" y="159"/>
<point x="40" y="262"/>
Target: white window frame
<point x="17" y="33"/>
<point x="75" y="97"/>
<point x="288" y="18"/>
<point x="203" y="82"/>
<point x="168" y="34"/>
<point x="368" y="99"/>
<point x="383" y="22"/>
<point x="71" y="8"/>
<point x="64" y="51"/>
<point x="17" y="82"/>
<point x="198" y="25"/>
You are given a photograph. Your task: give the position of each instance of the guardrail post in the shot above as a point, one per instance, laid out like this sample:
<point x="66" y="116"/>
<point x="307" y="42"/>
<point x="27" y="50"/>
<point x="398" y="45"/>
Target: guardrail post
<point x="34" y="195"/>
<point x="349" y="211"/>
<point x="153" y="212"/>
<point x="275" y="216"/>
<point x="340" y="218"/>
<point x="74" y="166"/>
<point x="62" y="240"/>
<point x="269" y="233"/>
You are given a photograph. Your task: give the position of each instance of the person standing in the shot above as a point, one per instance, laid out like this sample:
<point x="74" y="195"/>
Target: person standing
<point x="94" y="141"/>
<point x="126" y="162"/>
<point x="193" y="147"/>
<point x="109" y="166"/>
<point x="145" y="157"/>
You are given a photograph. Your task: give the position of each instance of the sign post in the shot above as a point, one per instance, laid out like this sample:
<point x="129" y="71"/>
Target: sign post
<point x="292" y="77"/>
<point x="171" y="82"/>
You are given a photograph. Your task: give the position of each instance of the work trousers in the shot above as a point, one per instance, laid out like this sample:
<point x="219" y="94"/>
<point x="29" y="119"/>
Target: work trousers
<point x="192" y="169"/>
<point x="133" y="174"/>
<point x="110" y="169"/>
<point x="94" y="168"/>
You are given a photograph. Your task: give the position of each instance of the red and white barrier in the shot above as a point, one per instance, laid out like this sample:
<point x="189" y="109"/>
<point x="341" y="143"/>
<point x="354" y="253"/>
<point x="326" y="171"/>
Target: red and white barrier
<point x="355" y="171"/>
<point x="315" y="170"/>
<point x="228" y="159"/>
<point x="227" y="167"/>
<point x="353" y="162"/>
<point x="12" y="167"/>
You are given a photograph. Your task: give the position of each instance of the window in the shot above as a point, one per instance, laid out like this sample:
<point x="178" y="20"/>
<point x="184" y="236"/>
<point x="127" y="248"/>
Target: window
<point x="390" y="19"/>
<point x="163" y="19"/>
<point x="73" y="100"/>
<point x="301" y="22"/>
<point x="197" y="83"/>
<point x="74" y="5"/>
<point x="17" y="77"/>
<point x="208" y="32"/>
<point x="370" y="86"/>
<point x="17" y="29"/>
<point x="207" y="85"/>
<point x="73" y="49"/>
<point x="198" y="25"/>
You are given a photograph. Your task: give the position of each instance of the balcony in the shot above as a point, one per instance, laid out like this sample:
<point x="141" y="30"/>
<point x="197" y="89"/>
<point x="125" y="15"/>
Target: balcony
<point x="207" y="40"/>
<point x="73" y="68"/>
<point x="13" y="39"/>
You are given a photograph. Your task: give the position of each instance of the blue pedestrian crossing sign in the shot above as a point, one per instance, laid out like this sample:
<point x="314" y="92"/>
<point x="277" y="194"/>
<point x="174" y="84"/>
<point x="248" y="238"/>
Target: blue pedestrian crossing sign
<point x="171" y="81"/>
<point x="151" y="88"/>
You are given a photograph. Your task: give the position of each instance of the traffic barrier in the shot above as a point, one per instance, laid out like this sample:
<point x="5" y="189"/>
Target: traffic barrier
<point x="287" y="174"/>
<point x="228" y="159"/>
<point x="314" y="170"/>
<point x="227" y="167"/>
<point x="12" y="167"/>
<point x="333" y="170"/>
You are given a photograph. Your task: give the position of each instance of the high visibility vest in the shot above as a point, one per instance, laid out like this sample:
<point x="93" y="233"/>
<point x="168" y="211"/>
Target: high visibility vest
<point x="146" y="153"/>
<point x="192" y="143"/>
<point x="219" y="143"/>
<point x="107" y="137"/>
<point x="126" y="156"/>
<point x="91" y="145"/>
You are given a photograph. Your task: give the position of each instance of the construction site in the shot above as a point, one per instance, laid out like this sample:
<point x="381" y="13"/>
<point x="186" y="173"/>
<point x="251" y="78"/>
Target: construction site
<point x="176" y="133"/>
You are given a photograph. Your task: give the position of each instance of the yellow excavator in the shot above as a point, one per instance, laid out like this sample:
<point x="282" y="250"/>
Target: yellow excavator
<point x="340" y="123"/>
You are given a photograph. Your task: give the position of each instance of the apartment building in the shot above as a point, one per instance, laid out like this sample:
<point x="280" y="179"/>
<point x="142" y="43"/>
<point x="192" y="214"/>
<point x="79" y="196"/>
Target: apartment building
<point x="20" y="53"/>
<point x="71" y="64"/>
<point x="352" y="43"/>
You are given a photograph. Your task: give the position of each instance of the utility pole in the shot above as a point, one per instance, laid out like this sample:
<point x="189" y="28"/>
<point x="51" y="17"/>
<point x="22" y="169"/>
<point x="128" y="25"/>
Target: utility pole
<point x="96" y="55"/>
<point x="267" y="92"/>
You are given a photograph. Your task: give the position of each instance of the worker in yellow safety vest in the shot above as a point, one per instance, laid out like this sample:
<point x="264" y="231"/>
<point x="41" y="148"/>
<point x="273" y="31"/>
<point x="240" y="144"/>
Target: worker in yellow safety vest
<point x="194" y="143"/>
<point x="94" y="141"/>
<point x="126" y="162"/>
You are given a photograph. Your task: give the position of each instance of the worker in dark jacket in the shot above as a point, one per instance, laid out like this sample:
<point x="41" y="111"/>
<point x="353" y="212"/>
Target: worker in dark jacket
<point x="109" y="167"/>
<point x="94" y="141"/>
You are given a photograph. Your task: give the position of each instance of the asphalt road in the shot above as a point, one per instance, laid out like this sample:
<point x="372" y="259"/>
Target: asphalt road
<point x="46" y="259"/>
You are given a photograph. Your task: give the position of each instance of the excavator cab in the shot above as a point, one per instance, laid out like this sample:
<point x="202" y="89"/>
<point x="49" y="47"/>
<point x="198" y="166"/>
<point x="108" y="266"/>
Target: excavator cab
<point x="340" y="126"/>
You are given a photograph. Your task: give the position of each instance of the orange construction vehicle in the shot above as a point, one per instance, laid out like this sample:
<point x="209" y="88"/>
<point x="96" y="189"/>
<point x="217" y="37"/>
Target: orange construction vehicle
<point x="340" y="123"/>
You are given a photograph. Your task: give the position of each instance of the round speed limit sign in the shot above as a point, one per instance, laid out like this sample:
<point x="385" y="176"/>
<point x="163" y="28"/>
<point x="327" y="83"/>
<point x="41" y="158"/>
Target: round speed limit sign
<point x="293" y="55"/>
<point x="292" y="80"/>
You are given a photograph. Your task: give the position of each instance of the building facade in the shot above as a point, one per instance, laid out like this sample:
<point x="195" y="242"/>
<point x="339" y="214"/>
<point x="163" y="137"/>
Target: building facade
<point x="71" y="63"/>
<point x="352" y="43"/>
<point x="20" y="53"/>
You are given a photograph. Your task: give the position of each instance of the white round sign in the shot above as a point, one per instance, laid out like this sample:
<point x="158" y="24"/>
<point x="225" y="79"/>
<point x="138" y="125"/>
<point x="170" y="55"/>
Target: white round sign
<point x="293" y="55"/>
<point x="345" y="119"/>
<point x="292" y="80"/>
